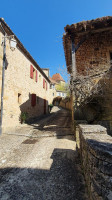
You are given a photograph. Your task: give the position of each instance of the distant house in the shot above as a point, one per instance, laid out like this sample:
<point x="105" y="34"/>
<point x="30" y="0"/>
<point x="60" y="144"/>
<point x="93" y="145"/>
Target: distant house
<point x="52" y="89"/>
<point x="88" y="53"/>
<point x="60" y="85"/>
<point x="58" y="78"/>
<point x="62" y="94"/>
<point x="26" y="87"/>
<point x="57" y="85"/>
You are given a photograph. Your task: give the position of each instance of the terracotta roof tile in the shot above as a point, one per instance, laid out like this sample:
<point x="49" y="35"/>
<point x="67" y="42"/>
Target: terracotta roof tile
<point x="57" y="77"/>
<point x="52" y="81"/>
<point x="89" y="25"/>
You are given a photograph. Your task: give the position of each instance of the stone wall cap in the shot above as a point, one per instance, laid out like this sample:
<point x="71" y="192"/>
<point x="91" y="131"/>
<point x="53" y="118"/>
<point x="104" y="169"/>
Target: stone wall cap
<point x="101" y="145"/>
<point x="86" y="128"/>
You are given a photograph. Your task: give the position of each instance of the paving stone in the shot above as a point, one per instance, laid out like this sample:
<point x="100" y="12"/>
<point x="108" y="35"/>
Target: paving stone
<point x="46" y="168"/>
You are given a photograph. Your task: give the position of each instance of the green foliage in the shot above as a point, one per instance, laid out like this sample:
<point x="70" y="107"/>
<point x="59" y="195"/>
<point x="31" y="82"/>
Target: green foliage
<point x="23" y="117"/>
<point x="60" y="87"/>
<point x="50" y="107"/>
<point x="63" y="88"/>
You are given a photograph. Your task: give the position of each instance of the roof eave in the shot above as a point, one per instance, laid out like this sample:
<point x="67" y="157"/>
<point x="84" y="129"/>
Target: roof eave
<point x="20" y="45"/>
<point x="71" y="31"/>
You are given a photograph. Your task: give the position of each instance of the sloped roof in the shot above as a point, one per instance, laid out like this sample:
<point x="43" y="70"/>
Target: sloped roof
<point x="9" y="32"/>
<point x="89" y="25"/>
<point x="57" y="77"/>
<point x="52" y="81"/>
<point x="84" y="28"/>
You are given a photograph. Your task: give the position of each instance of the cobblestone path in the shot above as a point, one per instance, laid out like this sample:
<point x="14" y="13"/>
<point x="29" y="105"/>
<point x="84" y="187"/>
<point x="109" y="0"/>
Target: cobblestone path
<point x="41" y="168"/>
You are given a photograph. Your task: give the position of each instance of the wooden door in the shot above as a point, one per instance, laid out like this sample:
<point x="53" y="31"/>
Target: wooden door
<point x="44" y="106"/>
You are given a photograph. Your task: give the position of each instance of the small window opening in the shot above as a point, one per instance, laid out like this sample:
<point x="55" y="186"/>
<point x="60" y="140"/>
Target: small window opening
<point x="34" y="74"/>
<point x="19" y="98"/>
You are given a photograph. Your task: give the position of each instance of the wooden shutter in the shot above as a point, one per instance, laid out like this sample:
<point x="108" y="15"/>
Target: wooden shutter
<point x="33" y="100"/>
<point x="36" y="76"/>
<point x="31" y="71"/>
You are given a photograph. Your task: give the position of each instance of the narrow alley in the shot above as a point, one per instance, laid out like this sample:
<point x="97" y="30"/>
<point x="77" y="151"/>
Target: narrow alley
<point x="39" y="161"/>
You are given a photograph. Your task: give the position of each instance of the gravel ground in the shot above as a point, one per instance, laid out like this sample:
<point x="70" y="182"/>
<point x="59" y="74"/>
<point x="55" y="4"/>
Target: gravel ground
<point x="43" y="166"/>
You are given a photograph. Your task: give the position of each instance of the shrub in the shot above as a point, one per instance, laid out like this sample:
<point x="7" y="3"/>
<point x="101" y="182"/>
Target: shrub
<point x="23" y="117"/>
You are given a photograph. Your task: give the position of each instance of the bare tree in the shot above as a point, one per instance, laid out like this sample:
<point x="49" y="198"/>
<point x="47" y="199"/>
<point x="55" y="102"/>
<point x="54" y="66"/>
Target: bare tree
<point x="91" y="82"/>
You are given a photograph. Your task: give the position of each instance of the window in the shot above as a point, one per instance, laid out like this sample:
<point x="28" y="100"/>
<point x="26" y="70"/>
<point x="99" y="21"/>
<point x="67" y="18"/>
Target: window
<point x="53" y="93"/>
<point x="33" y="100"/>
<point x="52" y="86"/>
<point x="36" y="78"/>
<point x="40" y="77"/>
<point x="43" y="83"/>
<point x="46" y="85"/>
<point x="63" y="94"/>
<point x="19" y="98"/>
<point x="33" y="73"/>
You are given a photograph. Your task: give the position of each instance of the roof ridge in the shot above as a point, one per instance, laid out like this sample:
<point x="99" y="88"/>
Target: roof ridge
<point x="57" y="77"/>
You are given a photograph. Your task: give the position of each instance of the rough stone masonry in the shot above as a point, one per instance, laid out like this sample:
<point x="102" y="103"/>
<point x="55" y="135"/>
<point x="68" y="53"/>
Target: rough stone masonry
<point x="95" y="148"/>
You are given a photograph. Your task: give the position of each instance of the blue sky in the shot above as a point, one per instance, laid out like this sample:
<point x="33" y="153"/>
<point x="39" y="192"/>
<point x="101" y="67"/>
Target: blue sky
<point x="39" y="24"/>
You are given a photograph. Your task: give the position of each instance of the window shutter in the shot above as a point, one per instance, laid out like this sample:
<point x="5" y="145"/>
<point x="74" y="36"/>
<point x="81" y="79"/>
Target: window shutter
<point x="31" y="71"/>
<point x="43" y="83"/>
<point x="36" y="76"/>
<point x="33" y="100"/>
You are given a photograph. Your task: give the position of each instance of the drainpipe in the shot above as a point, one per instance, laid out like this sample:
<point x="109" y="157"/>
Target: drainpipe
<point x="3" y="75"/>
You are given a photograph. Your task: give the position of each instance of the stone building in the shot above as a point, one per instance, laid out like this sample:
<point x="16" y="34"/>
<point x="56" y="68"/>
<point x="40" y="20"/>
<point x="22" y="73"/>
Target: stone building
<point x="52" y="90"/>
<point x="60" y="85"/>
<point x="58" y="78"/>
<point x="26" y="86"/>
<point x="88" y="53"/>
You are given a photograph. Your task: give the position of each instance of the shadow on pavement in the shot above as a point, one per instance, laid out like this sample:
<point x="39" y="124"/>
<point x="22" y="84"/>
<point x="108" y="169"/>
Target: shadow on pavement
<point x="63" y="181"/>
<point x="57" y="124"/>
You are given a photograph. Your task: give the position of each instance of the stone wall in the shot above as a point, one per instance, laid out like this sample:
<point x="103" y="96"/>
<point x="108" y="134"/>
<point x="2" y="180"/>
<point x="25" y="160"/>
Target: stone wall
<point x="18" y="82"/>
<point x="95" y="53"/>
<point x="95" y="148"/>
<point x="66" y="103"/>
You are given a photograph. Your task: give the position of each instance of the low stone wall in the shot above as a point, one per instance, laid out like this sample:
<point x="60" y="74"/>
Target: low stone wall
<point x="95" y="148"/>
<point x="66" y="103"/>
